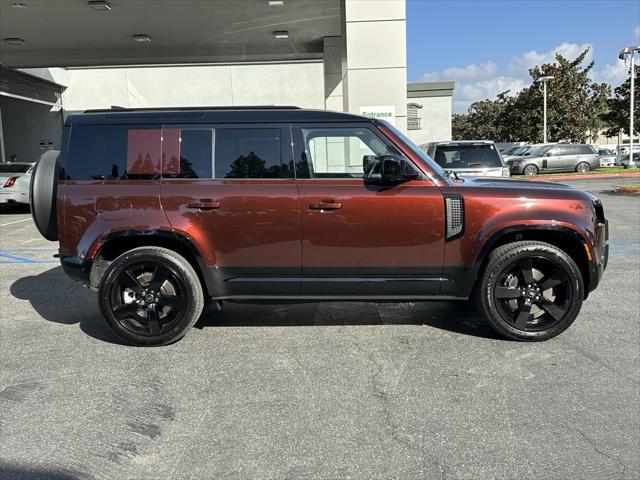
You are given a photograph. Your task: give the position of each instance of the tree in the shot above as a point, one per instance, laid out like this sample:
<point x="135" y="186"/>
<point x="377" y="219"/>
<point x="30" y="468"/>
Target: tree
<point x="575" y="107"/>
<point x="616" y="118"/>
<point x="485" y="120"/>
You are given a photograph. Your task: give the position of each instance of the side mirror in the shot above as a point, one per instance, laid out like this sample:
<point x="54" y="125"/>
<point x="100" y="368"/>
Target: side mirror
<point x="394" y="169"/>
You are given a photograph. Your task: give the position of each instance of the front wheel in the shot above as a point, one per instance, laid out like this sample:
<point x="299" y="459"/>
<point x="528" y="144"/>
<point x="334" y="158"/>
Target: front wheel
<point x="150" y="296"/>
<point x="530" y="291"/>
<point x="530" y="169"/>
<point x="583" y="167"/>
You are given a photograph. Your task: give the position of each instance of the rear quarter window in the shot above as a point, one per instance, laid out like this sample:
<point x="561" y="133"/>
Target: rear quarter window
<point x="112" y="152"/>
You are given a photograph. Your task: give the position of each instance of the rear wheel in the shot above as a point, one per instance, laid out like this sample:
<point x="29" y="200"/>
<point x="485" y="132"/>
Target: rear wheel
<point x="530" y="169"/>
<point x="150" y="296"/>
<point x="583" y="167"/>
<point x="530" y="291"/>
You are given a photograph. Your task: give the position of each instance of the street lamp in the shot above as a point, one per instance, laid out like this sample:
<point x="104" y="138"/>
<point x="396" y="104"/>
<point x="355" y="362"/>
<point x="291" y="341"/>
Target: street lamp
<point x="629" y="53"/>
<point x="544" y="79"/>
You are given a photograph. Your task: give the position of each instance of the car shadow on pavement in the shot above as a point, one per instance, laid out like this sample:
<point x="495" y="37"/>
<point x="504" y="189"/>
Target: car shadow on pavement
<point x="57" y="298"/>
<point x="16" y="208"/>
<point x="456" y="317"/>
<point x="20" y="472"/>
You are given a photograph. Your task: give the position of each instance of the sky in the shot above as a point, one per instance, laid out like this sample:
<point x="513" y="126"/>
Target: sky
<point x="487" y="47"/>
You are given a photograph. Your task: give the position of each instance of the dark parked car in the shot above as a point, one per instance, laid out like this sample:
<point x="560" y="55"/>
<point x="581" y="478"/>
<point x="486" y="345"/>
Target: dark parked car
<point x="164" y="210"/>
<point x="468" y="157"/>
<point x="561" y="157"/>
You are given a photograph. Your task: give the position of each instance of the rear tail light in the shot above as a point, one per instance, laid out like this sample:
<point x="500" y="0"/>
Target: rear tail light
<point x="455" y="216"/>
<point x="10" y="181"/>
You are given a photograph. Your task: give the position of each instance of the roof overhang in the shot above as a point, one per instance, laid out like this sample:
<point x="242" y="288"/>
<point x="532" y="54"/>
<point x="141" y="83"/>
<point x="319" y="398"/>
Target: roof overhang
<point x="69" y="33"/>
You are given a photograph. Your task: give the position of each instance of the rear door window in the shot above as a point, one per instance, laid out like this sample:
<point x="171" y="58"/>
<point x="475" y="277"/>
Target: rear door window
<point x="187" y="152"/>
<point x="249" y="153"/>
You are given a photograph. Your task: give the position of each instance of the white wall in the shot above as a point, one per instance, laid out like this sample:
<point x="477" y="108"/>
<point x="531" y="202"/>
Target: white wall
<point x="436" y="120"/>
<point x="300" y="84"/>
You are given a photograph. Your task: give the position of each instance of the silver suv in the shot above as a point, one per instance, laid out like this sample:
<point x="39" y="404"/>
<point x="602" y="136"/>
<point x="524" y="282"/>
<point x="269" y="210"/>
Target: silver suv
<point x="560" y="157"/>
<point x="468" y="157"/>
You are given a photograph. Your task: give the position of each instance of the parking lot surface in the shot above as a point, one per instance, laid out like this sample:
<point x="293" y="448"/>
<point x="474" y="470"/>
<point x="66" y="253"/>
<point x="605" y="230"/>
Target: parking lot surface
<point x="328" y="391"/>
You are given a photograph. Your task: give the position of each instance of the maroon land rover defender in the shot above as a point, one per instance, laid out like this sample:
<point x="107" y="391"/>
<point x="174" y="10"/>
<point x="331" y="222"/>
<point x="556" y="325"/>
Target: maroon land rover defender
<point x="163" y="210"/>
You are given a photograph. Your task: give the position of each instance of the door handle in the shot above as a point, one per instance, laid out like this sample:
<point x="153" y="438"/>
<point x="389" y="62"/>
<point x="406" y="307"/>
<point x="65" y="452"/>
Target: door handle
<point x="204" y="204"/>
<point x="325" y="205"/>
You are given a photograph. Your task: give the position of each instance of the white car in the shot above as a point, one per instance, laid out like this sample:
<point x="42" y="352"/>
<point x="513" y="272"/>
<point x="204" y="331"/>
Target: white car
<point x="14" y="182"/>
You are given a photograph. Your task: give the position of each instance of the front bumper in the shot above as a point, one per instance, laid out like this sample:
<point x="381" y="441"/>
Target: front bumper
<point x="600" y="254"/>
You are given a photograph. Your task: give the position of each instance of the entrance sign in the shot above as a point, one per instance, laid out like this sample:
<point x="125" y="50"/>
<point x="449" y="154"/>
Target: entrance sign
<point x="387" y="112"/>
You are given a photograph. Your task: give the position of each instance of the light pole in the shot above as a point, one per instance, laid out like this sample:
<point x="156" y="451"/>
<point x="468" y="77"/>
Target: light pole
<point x="629" y="52"/>
<point x="544" y="79"/>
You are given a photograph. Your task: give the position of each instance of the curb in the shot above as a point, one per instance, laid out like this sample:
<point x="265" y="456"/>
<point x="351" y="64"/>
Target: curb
<point x="584" y="176"/>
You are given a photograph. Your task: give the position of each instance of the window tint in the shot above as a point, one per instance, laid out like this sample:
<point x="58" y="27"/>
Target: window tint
<point x="187" y="153"/>
<point x="143" y="153"/>
<point x="249" y="153"/>
<point x="341" y="152"/>
<point x="96" y="153"/>
<point x="584" y="150"/>
<point x="112" y="152"/>
<point x="467" y="156"/>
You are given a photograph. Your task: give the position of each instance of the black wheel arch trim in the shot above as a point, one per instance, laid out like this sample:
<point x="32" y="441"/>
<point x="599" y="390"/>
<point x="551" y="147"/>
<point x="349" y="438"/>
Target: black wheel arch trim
<point x="465" y="278"/>
<point x="90" y="264"/>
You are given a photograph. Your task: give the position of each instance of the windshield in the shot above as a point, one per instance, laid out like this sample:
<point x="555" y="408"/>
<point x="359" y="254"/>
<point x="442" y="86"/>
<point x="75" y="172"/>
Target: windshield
<point x="15" y="167"/>
<point x="467" y="156"/>
<point x="415" y="149"/>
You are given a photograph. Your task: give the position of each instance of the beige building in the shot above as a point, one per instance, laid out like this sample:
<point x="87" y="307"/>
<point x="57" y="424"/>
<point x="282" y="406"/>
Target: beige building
<point x="429" y="108"/>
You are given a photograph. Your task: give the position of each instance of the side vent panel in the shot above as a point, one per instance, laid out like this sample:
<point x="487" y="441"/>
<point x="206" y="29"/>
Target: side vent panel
<point x="454" y="210"/>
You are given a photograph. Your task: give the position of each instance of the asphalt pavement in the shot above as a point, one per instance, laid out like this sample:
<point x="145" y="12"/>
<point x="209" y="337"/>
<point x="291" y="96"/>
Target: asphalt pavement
<point x="317" y="391"/>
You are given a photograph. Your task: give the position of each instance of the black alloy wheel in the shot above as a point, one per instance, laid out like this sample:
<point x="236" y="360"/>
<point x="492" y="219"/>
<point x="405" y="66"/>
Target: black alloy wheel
<point x="533" y="294"/>
<point x="530" y="290"/>
<point x="150" y="296"/>
<point x="148" y="299"/>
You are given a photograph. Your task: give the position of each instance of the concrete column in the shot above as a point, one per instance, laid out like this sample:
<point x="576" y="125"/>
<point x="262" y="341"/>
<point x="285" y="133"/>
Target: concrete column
<point x="334" y="72"/>
<point x="376" y="56"/>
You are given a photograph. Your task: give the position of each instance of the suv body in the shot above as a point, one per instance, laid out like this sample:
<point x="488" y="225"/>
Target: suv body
<point x="559" y="157"/>
<point x="468" y="157"/>
<point x="163" y="210"/>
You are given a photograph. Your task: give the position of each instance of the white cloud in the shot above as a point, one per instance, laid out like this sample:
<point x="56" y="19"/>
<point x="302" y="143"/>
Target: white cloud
<point x="519" y="66"/>
<point x="636" y="32"/>
<point x="612" y="73"/>
<point x="485" y="80"/>
<point x="466" y="93"/>
<point x="471" y="72"/>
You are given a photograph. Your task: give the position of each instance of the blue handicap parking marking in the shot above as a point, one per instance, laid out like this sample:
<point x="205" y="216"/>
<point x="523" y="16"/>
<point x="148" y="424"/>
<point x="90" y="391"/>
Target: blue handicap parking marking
<point x="7" y="255"/>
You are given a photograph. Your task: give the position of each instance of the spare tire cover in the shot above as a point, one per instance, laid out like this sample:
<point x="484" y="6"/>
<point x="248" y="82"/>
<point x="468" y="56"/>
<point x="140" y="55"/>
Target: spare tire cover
<point x="43" y="192"/>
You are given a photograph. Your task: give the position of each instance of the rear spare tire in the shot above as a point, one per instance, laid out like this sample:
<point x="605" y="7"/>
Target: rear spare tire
<point x="43" y="191"/>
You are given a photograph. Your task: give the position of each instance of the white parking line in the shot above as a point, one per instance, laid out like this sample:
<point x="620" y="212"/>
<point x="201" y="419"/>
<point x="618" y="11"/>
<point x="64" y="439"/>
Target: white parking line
<point x="15" y="221"/>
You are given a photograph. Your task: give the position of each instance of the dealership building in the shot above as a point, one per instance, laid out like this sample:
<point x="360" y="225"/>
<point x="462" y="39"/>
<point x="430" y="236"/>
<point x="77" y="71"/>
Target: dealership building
<point x="71" y="55"/>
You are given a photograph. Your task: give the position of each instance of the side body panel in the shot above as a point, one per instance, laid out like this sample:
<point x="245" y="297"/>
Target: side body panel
<point x="490" y="212"/>
<point x="383" y="240"/>
<point x="251" y="243"/>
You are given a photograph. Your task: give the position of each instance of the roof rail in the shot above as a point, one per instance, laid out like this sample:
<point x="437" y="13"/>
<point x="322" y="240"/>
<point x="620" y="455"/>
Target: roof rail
<point x="116" y="108"/>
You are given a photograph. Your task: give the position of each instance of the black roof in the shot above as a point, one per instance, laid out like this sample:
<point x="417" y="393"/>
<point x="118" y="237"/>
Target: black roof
<point x="249" y="114"/>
